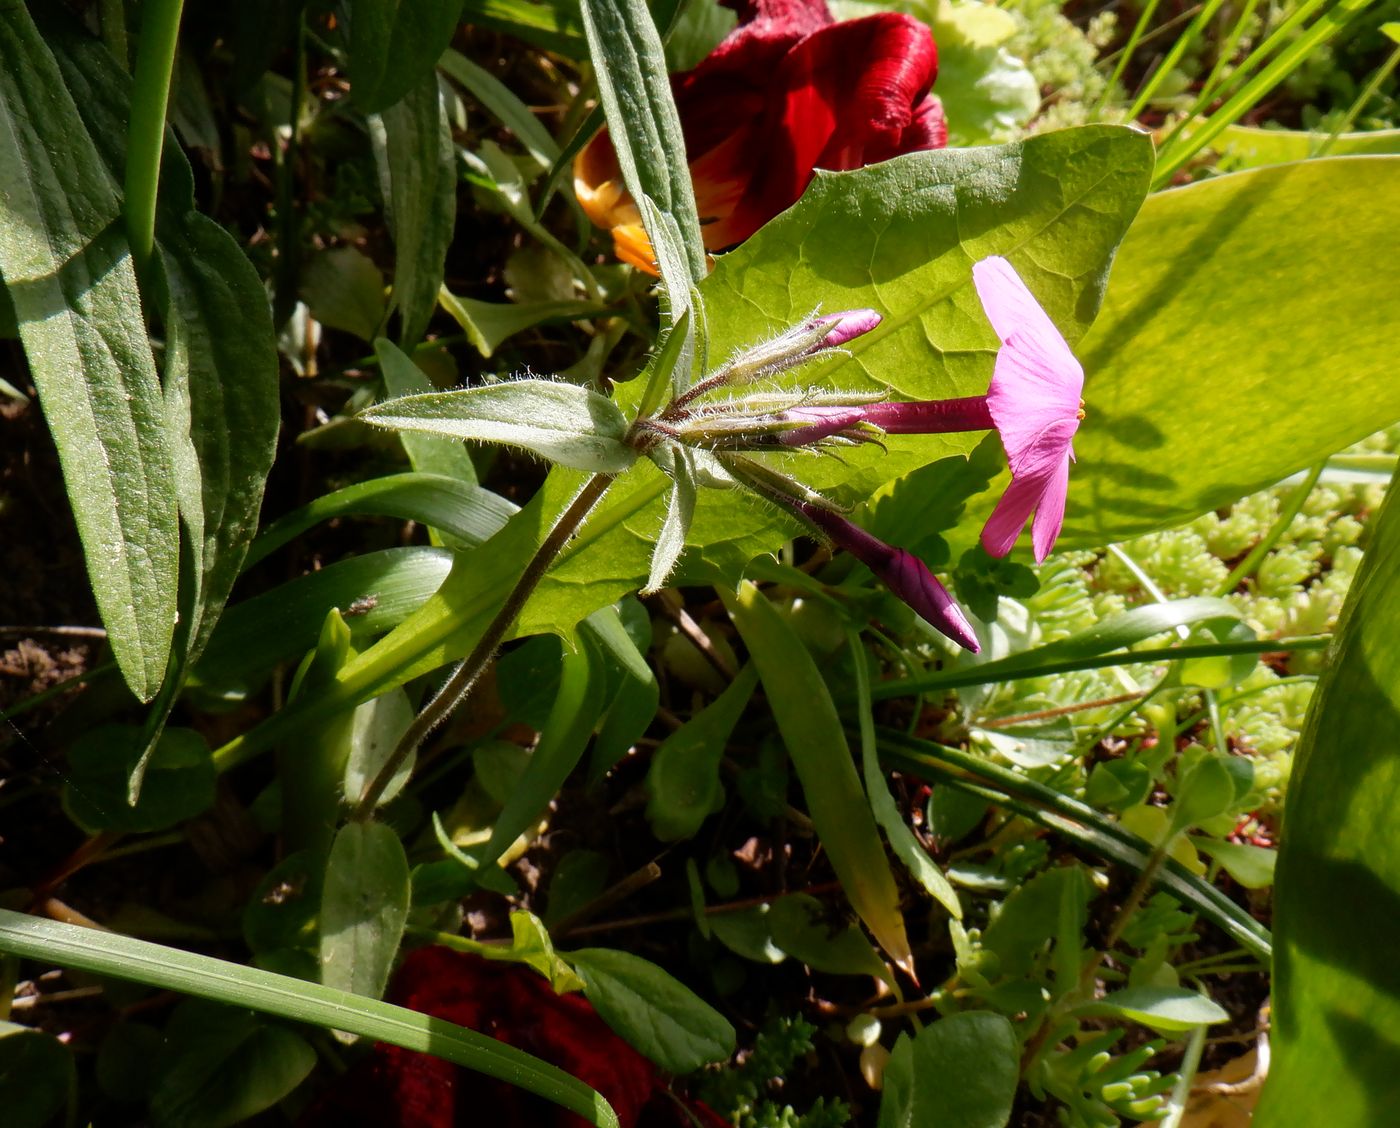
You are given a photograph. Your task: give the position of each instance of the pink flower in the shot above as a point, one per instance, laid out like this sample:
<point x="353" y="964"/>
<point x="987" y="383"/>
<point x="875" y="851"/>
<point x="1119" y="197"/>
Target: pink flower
<point x="1034" y="400"/>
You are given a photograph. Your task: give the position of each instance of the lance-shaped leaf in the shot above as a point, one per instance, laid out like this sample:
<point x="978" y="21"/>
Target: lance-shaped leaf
<point x="394" y="44"/>
<point x="561" y="422"/>
<point x="670" y="541"/>
<point x="69" y="274"/>
<point x="816" y="743"/>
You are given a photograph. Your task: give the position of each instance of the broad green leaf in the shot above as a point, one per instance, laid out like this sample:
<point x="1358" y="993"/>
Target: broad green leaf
<point x="816" y="744"/>
<point x="562" y="422"/>
<point x="988" y="93"/>
<point x="283" y="912"/>
<point x="222" y="1066"/>
<point x="375" y="591"/>
<point x="959" y="1072"/>
<point x="1242" y="298"/>
<point x="801" y="926"/>
<point x="656" y="1013"/>
<point x="554" y="27"/>
<point x="630" y="67"/>
<point x="418" y="180"/>
<point x="488" y="325"/>
<point x="126" y="1061"/>
<point x="179" y="779"/>
<point x="344" y="290"/>
<point x="1336" y="1002"/>
<point x="374" y="733"/>
<point x="69" y="275"/>
<point x="220" y="371"/>
<point x="683" y="785"/>
<point x="139" y="961"/>
<point x="749" y="933"/>
<point x="1031" y="918"/>
<point x="36" y="1075"/>
<point x="467" y="514"/>
<point x="1170" y="1010"/>
<point x="364" y="904"/>
<point x="395" y="44"/>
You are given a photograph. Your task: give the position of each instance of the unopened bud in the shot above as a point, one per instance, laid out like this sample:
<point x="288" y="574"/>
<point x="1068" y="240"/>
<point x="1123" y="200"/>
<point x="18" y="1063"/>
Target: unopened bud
<point x="797" y="345"/>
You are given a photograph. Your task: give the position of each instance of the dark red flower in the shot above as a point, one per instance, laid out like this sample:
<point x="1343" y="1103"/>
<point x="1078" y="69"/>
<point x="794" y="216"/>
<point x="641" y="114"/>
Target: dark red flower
<point x="400" y="1088"/>
<point x="787" y="92"/>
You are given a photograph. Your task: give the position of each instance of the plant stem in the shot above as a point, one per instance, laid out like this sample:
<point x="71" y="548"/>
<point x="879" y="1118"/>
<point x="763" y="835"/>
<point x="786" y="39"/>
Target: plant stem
<point x="150" y="94"/>
<point x="472" y="666"/>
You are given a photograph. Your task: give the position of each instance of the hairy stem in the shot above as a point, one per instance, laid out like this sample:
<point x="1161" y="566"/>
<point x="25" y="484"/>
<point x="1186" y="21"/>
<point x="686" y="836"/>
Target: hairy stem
<point x="470" y="670"/>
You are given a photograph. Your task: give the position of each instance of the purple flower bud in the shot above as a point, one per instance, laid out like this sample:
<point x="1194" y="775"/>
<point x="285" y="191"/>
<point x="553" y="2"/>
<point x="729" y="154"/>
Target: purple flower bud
<point x="922" y="417"/>
<point x="900" y="571"/>
<point x="848" y="325"/>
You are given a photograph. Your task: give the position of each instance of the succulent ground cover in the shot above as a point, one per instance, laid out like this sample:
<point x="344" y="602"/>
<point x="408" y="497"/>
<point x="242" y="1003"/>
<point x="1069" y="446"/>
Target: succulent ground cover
<point x="776" y="564"/>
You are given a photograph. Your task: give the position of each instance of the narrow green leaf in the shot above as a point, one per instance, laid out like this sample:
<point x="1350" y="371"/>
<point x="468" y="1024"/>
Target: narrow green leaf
<point x="656" y="1013"/>
<point x="503" y="104"/>
<point x="394" y="45"/>
<point x="374" y="733"/>
<point x="670" y="541"/>
<point x="376" y="590"/>
<point x="418" y="180"/>
<point x="1337" y="892"/>
<point x="107" y="953"/>
<point x="364" y="904"/>
<point x="902" y="841"/>
<point x="565" y="423"/>
<point x="70" y="278"/>
<point x="222" y="1066"/>
<point x="465" y="514"/>
<point x="488" y="325"/>
<point x="630" y="66"/>
<point x="1170" y="1010"/>
<point x="816" y="744"/>
<point x="555" y="28"/>
<point x="1247" y="146"/>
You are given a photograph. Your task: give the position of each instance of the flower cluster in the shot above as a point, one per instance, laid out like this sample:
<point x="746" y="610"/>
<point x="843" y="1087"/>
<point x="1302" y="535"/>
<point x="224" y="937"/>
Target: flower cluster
<point x="1033" y="403"/>
<point x="789" y="91"/>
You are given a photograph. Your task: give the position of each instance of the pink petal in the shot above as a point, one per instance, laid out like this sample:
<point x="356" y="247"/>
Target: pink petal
<point x="1050" y="513"/>
<point x="1009" y="517"/>
<point x="1036" y="418"/>
<point x="1010" y="307"/>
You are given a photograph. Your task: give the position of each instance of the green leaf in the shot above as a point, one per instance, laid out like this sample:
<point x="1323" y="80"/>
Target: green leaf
<point x="121" y="957"/>
<point x="36" y="1075"/>
<point x="504" y="105"/>
<point x="374" y="733"/>
<point x="630" y="67"/>
<point x="223" y="1066"/>
<point x="988" y="93"/>
<point x="802" y="927"/>
<point x="887" y="813"/>
<point x="1033" y="918"/>
<point x="1252" y="866"/>
<point x="656" y="1013"/>
<point x="1234" y="287"/>
<point x="418" y="180"/>
<point x="69" y="275"/>
<point x="683" y="785"/>
<point x="179" y="779"/>
<point x="1337" y="890"/>
<point x="816" y="744"/>
<point x="562" y="422"/>
<point x="344" y="290"/>
<point x="530" y="945"/>
<point x="555" y="28"/>
<point x="220" y="371"/>
<point x="364" y="904"/>
<point x="467" y="515"/>
<point x="427" y="453"/>
<point x="680" y="511"/>
<point x="376" y="591"/>
<point x="1247" y="146"/>
<point x="488" y="325"/>
<point x="1170" y="1010"/>
<point x="395" y="44"/>
<point x="959" y="1072"/>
